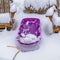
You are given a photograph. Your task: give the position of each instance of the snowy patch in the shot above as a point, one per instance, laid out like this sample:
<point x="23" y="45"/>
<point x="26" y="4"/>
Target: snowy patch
<point x="50" y="11"/>
<point x="56" y="19"/>
<point x="52" y="2"/>
<point x="13" y="8"/>
<point x="5" y="18"/>
<point x="29" y="38"/>
<point x="39" y="4"/>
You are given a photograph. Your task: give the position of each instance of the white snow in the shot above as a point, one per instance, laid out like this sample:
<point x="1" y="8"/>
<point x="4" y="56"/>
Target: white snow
<point x="49" y="44"/>
<point x="10" y="37"/>
<point x="52" y="2"/>
<point x="39" y="4"/>
<point x="56" y="19"/>
<point x="5" y="18"/>
<point x="50" y="11"/>
<point x="23" y="35"/>
<point x="29" y="38"/>
<point x="13" y="8"/>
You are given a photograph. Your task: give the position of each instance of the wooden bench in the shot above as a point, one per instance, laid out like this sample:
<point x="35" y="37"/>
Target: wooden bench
<point x="5" y="8"/>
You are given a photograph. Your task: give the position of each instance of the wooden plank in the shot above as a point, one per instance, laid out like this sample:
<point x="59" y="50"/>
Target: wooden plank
<point x="5" y="25"/>
<point x="6" y="1"/>
<point x="7" y="5"/>
<point x="58" y="12"/>
<point x="7" y="9"/>
<point x="57" y="3"/>
<point x="58" y="7"/>
<point x="4" y="6"/>
<point x="1" y="6"/>
<point x="56" y="29"/>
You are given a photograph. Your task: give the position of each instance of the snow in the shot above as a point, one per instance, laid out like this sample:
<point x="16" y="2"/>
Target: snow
<point x="49" y="44"/>
<point x="29" y="38"/>
<point x="5" y="18"/>
<point x="50" y="11"/>
<point x="9" y="38"/>
<point x="39" y="4"/>
<point x="52" y="2"/>
<point x="56" y="19"/>
<point x="13" y="8"/>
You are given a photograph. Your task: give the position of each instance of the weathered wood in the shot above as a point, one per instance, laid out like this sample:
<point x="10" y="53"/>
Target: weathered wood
<point x="7" y="25"/>
<point x="7" y="5"/>
<point x="56" y="29"/>
<point x="40" y="11"/>
<point x="4" y="6"/>
<point x="12" y="14"/>
<point x="57" y="3"/>
<point x="58" y="7"/>
<point x="50" y="17"/>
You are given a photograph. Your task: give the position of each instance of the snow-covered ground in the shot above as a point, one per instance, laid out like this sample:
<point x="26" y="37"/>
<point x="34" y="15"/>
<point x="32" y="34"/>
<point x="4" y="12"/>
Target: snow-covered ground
<point x="49" y="45"/>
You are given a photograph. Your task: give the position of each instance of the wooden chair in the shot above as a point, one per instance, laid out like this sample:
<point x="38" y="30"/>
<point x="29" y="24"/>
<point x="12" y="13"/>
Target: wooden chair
<point x="57" y="29"/>
<point x="5" y="8"/>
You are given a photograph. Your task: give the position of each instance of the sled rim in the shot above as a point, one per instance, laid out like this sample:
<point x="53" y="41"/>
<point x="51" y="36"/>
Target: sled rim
<point x="27" y="43"/>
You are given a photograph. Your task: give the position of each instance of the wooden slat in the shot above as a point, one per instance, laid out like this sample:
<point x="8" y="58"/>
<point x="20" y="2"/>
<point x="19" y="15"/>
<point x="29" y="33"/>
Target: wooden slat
<point x="58" y="6"/>
<point x="5" y="25"/>
<point x="7" y="5"/>
<point x="1" y="6"/>
<point x="4" y="6"/>
<point x="57" y="3"/>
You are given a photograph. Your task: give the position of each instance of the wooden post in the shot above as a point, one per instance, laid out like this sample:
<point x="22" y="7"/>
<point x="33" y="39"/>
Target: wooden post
<point x="58" y="7"/>
<point x="7" y="5"/>
<point x="1" y="6"/>
<point x="57" y="29"/>
<point x="12" y="14"/>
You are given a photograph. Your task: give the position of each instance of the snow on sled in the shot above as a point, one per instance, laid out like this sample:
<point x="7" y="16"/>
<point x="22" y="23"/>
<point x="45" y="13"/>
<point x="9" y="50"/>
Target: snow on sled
<point x="29" y="32"/>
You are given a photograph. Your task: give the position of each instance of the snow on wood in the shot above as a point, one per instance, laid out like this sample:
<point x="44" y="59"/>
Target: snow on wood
<point x="56" y="19"/>
<point x="13" y="8"/>
<point x="58" y="7"/>
<point x="5" y="18"/>
<point x="39" y="4"/>
<point x="50" y="11"/>
<point x="4" y="6"/>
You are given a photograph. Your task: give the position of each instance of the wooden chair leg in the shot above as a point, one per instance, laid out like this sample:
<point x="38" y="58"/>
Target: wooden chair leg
<point x="12" y="14"/>
<point x="56" y="29"/>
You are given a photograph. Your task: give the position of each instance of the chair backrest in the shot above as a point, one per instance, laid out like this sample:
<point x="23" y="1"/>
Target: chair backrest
<point x="4" y="6"/>
<point x="30" y="26"/>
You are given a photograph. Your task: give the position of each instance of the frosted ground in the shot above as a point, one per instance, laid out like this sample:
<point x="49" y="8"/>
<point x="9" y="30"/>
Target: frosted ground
<point x="49" y="45"/>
